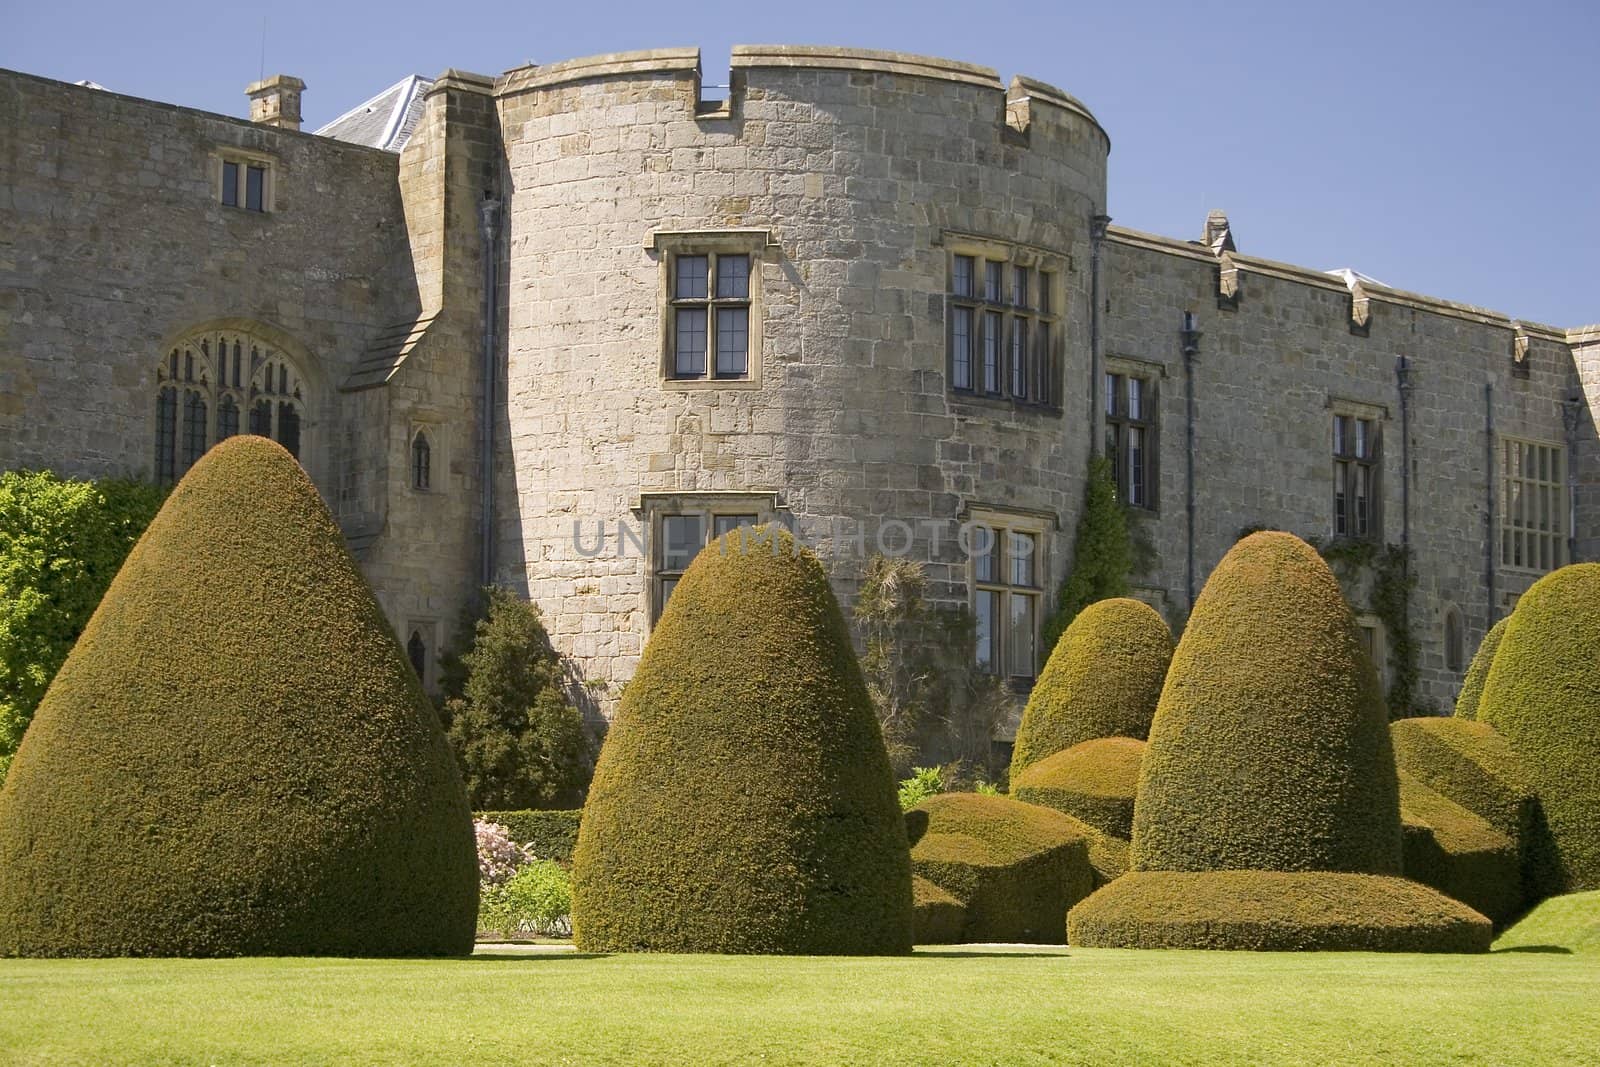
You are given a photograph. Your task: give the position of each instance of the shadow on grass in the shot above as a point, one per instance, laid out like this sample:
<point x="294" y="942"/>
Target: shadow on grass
<point x="994" y="953"/>
<point x="1549" y="950"/>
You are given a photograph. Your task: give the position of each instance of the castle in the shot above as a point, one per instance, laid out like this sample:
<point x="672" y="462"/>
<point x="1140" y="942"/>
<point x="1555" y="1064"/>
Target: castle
<point x="558" y="328"/>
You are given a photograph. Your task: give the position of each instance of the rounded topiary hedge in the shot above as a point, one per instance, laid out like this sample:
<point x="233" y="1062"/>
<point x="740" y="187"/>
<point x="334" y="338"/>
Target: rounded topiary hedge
<point x="939" y="915"/>
<point x="743" y="800"/>
<point x="1275" y="911"/>
<point x="1270" y="747"/>
<point x="1102" y="679"/>
<point x="1543" y="696"/>
<point x="1470" y="764"/>
<point x="1478" y="671"/>
<point x="1015" y="867"/>
<point x="1458" y="853"/>
<point x="236" y="758"/>
<point x="1094" y="781"/>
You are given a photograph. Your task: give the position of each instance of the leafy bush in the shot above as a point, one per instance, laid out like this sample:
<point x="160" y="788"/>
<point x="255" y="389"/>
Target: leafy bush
<point x="498" y="855"/>
<point x="536" y="900"/>
<point x="1095" y="781"/>
<point x="939" y="915"/>
<point x="1543" y="696"/>
<point x="519" y="742"/>
<point x="923" y="783"/>
<point x="61" y="543"/>
<point x="1470" y="764"/>
<point x="1102" y="552"/>
<point x="1478" y="671"/>
<point x="236" y="757"/>
<point x="1301" y="911"/>
<point x="1103" y="680"/>
<point x="744" y="801"/>
<point x="1457" y="853"/>
<point x="1016" y="868"/>
<point x="549" y="834"/>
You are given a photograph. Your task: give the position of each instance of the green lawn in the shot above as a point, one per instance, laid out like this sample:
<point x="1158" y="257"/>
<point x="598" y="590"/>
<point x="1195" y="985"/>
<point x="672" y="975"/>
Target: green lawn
<point x="941" y="1007"/>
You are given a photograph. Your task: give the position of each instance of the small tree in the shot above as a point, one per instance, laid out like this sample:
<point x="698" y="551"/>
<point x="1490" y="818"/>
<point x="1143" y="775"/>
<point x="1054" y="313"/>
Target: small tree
<point x="1102" y="555"/>
<point x="61" y="543"/>
<point x="519" y="741"/>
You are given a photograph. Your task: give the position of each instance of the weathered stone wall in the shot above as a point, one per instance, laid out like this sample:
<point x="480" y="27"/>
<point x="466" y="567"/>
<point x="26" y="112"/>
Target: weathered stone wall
<point x="861" y="166"/>
<point x="1269" y="374"/>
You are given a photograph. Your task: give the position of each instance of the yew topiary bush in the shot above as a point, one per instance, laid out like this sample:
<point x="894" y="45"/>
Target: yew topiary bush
<point x="1478" y="671"/>
<point x="1458" y="853"/>
<point x="1096" y="781"/>
<point x="1543" y="696"/>
<point x="1015" y="867"/>
<point x="1471" y="765"/>
<point x="1103" y="679"/>
<point x="1267" y="814"/>
<point x="743" y="800"/>
<point x="236" y="758"/>
<point x="939" y="915"/>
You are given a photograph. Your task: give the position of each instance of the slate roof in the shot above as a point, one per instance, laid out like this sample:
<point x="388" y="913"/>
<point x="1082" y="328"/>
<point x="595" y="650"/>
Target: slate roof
<point x="385" y="121"/>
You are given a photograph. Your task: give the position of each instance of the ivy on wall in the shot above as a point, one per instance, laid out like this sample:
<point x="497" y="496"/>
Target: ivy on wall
<point x="1103" y="554"/>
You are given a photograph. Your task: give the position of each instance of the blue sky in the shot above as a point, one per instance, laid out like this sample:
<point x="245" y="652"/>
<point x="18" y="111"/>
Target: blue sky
<point x="1448" y="148"/>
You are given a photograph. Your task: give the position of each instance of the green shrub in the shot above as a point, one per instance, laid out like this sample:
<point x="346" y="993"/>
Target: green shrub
<point x="923" y="783"/>
<point x="939" y="915"/>
<point x="743" y="800"/>
<point x="1102" y="552"/>
<point x="535" y="901"/>
<point x="518" y="740"/>
<point x="1015" y="867"/>
<point x="550" y="834"/>
<point x="61" y="543"/>
<point x="1302" y="911"/>
<point x="236" y="758"/>
<point x="1478" y="671"/>
<point x="1470" y="764"/>
<point x="1094" y="781"/>
<point x="1458" y="853"/>
<point x="1270" y="749"/>
<point x="1543" y="696"/>
<point x="1103" y="680"/>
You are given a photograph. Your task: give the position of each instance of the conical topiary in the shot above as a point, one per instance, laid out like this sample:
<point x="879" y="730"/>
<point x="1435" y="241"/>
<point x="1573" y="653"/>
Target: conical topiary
<point x="1268" y="788"/>
<point x="1543" y="696"/>
<point x="743" y="800"/>
<point x="1478" y="671"/>
<point x="1102" y="679"/>
<point x="236" y="758"/>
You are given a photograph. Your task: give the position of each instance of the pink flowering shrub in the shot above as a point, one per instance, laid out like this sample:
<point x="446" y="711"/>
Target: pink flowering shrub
<point x="498" y="855"/>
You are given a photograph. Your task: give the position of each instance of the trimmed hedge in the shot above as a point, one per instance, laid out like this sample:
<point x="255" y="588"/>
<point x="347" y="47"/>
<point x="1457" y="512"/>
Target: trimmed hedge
<point x="1102" y="679"/>
<point x="1094" y="781"/>
<point x="1478" y="671"/>
<point x="236" y="758"/>
<point x="743" y="800"/>
<point x="1470" y="764"/>
<point x="1275" y="911"/>
<point x="1270" y="748"/>
<point x="1458" y="853"/>
<point x="939" y="915"/>
<point x="1543" y="695"/>
<point x="1015" y="867"/>
<point x="551" y="834"/>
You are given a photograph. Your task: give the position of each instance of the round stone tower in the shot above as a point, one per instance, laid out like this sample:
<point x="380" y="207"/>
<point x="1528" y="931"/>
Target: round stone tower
<point x="854" y="296"/>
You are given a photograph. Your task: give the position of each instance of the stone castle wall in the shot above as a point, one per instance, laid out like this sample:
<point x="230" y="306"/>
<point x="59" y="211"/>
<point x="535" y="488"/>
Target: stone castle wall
<point x="861" y="168"/>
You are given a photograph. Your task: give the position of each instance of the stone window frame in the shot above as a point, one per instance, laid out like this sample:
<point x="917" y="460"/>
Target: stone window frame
<point x="1005" y="584"/>
<point x="668" y="246"/>
<point x="1544" y="539"/>
<point x="1453" y="633"/>
<point x="1043" y="309"/>
<point x="1374" y="639"/>
<point x="433" y="429"/>
<point x="244" y="159"/>
<point x="654" y="508"/>
<point x="428" y="630"/>
<point x="1118" y="427"/>
<point x="1348" y="459"/>
<point x="205" y="368"/>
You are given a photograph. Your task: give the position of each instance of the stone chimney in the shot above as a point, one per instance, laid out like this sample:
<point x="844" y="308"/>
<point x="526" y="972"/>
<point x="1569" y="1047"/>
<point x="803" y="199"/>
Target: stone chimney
<point x="275" y="101"/>
<point x="1218" y="234"/>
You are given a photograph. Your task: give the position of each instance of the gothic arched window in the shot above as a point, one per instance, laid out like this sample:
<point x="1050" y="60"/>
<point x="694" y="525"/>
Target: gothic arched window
<point x="1455" y="652"/>
<point x="224" y="376"/>
<point x="421" y="461"/>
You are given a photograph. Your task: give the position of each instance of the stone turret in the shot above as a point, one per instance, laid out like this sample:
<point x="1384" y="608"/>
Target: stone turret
<point x="275" y="101"/>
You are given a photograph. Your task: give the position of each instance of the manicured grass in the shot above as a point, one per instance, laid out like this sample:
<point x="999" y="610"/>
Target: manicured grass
<point x="948" y="1006"/>
<point x="1568" y="923"/>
